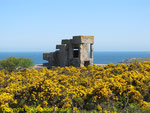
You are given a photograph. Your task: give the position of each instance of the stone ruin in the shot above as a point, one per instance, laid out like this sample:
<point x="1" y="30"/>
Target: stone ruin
<point x="74" y="52"/>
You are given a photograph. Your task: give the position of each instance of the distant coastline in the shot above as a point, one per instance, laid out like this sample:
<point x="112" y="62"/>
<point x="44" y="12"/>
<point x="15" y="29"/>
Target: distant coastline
<point x="130" y="60"/>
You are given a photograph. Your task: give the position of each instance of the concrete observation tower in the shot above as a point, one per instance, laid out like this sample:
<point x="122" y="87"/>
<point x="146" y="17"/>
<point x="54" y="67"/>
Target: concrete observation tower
<point x="73" y="52"/>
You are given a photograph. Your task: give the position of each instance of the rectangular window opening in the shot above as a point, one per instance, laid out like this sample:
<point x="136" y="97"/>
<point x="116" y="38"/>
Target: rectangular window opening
<point x="76" y="52"/>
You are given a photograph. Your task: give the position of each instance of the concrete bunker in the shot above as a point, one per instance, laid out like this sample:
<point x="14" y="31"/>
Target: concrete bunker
<point x="74" y="52"/>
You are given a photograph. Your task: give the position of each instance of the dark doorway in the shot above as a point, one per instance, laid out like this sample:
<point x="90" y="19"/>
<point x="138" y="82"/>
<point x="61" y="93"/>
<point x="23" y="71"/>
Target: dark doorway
<point x="86" y="63"/>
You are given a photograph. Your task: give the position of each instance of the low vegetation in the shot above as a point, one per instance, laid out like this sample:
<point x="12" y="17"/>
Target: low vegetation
<point x="109" y="89"/>
<point x="15" y="64"/>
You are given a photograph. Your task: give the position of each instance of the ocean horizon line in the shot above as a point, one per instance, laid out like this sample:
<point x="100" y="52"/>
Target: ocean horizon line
<point x="94" y="51"/>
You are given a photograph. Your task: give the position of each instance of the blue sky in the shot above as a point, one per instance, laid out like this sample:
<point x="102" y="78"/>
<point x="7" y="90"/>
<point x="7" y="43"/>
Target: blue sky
<point x="38" y="25"/>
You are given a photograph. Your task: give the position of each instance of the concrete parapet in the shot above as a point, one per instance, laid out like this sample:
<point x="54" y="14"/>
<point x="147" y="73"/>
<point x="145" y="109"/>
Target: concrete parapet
<point x="83" y="39"/>
<point x="60" y="46"/>
<point x="65" y="41"/>
<point x="46" y="56"/>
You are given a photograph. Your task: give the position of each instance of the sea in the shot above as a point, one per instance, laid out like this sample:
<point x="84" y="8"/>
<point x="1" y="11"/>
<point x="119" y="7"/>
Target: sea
<point x="100" y="57"/>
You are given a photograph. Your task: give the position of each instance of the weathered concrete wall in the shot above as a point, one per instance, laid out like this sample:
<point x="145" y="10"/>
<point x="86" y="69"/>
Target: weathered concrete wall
<point x="84" y="51"/>
<point x="85" y="54"/>
<point x="62" y="56"/>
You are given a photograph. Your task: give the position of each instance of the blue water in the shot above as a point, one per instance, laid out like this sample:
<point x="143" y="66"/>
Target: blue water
<point x="99" y="57"/>
<point x="116" y="57"/>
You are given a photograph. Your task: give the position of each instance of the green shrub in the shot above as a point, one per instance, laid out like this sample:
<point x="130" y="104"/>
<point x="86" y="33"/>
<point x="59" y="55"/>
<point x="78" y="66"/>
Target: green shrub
<point x="15" y="64"/>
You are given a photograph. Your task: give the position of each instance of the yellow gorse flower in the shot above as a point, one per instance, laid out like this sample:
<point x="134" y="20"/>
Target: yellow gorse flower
<point x="75" y="88"/>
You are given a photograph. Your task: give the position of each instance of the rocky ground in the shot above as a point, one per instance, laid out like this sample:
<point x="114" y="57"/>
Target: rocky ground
<point x="38" y="66"/>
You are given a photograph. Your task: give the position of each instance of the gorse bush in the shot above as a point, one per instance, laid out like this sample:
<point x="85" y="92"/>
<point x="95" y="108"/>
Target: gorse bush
<point x="15" y="64"/>
<point x="109" y="89"/>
